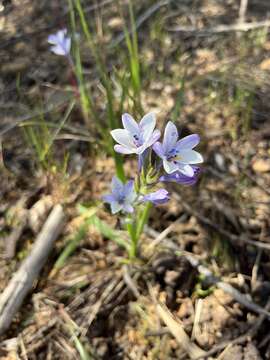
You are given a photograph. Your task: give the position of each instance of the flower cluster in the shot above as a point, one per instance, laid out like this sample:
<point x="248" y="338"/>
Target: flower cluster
<point x="174" y="161"/>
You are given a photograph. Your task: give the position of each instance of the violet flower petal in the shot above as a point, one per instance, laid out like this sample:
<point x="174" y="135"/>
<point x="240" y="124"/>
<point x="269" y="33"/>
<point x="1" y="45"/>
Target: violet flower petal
<point x="128" y="208"/>
<point x="123" y="138"/>
<point x="117" y="187"/>
<point x="153" y="138"/>
<point x="52" y="39"/>
<point x="147" y="125"/>
<point x="130" y="124"/>
<point x="108" y="198"/>
<point x="186" y="169"/>
<point x="189" y="157"/>
<point x="188" y="142"/>
<point x="160" y="196"/>
<point x="158" y="149"/>
<point x="116" y="207"/>
<point x="180" y="178"/>
<point x="122" y="149"/>
<point x="170" y="136"/>
<point x="170" y="166"/>
<point x="129" y="192"/>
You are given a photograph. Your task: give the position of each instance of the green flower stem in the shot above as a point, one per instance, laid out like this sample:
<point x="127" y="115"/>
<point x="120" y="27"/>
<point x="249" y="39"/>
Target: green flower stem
<point x="135" y="229"/>
<point x="131" y="228"/>
<point x="119" y="166"/>
<point x="142" y="219"/>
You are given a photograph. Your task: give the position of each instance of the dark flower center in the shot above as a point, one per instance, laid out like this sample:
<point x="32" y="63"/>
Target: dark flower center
<point x="137" y="140"/>
<point x="121" y="199"/>
<point x="173" y="155"/>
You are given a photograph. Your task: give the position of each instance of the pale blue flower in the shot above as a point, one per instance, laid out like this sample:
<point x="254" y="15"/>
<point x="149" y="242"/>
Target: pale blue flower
<point x="178" y="155"/>
<point x="160" y="196"/>
<point x="61" y="43"/>
<point x="135" y="138"/>
<point x="122" y="196"/>
<point x="180" y="178"/>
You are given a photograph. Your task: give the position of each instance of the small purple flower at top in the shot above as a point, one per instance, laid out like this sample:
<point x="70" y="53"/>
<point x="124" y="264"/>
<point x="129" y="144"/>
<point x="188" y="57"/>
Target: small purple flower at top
<point x="136" y="138"/>
<point x="158" y="197"/>
<point x="180" y="178"/>
<point x="122" y="196"/>
<point x="178" y="155"/>
<point x="61" y="43"/>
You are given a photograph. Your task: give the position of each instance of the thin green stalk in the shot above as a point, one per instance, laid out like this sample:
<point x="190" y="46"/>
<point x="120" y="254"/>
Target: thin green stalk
<point x="34" y="141"/>
<point x="73" y="329"/>
<point x="132" y="233"/>
<point x="135" y="229"/>
<point x="135" y="51"/>
<point x="119" y="167"/>
<point x="131" y="40"/>
<point x="86" y="99"/>
<point x="71" y="246"/>
<point x="89" y="37"/>
<point x="53" y="137"/>
<point x="108" y="232"/>
<point x="106" y="82"/>
<point x="179" y="100"/>
<point x="84" y="355"/>
<point x="100" y="65"/>
<point x="38" y="139"/>
<point x="142" y="219"/>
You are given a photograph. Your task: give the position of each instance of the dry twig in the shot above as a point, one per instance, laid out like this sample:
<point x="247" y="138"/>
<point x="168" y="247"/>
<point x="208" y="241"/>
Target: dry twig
<point x="219" y="29"/>
<point x="22" y="281"/>
<point x="242" y="11"/>
<point x="177" y="330"/>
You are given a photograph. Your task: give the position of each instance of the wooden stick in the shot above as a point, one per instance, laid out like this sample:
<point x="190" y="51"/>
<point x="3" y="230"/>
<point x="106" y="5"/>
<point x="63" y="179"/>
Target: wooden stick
<point x="22" y="281"/>
<point x="242" y="11"/>
<point x="176" y="329"/>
